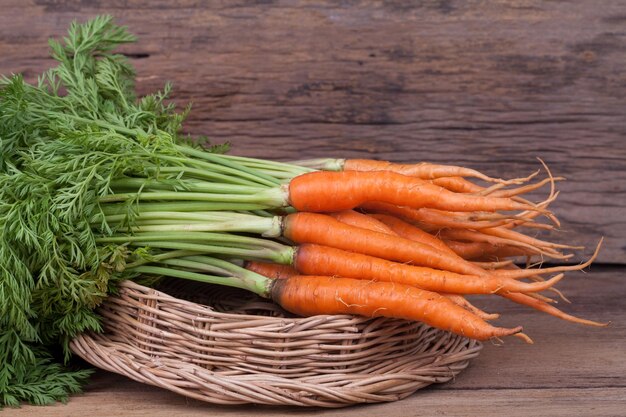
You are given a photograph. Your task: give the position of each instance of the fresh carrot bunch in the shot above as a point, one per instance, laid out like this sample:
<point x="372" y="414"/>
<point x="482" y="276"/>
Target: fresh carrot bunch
<point x="411" y="241"/>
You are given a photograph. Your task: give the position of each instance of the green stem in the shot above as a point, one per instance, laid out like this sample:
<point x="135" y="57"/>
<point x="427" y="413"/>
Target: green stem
<point x="282" y="256"/>
<point x="282" y="175"/>
<point x="259" y="285"/>
<point x="225" y="239"/>
<point x="205" y="174"/>
<point x="268" y="227"/>
<point x="161" y="257"/>
<point x="182" y="206"/>
<point x="267" y="164"/>
<point x="107" y="125"/>
<point x="258" y="176"/>
<point x="273" y="197"/>
<point x="187" y="185"/>
<point x="210" y="264"/>
<point x="324" y="164"/>
<point x="184" y="216"/>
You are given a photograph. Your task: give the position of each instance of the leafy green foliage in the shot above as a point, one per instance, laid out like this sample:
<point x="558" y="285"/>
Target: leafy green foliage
<point x="62" y="142"/>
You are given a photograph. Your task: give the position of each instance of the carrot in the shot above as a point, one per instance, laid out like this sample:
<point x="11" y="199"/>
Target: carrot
<point x="322" y="260"/>
<point x="428" y="219"/>
<point x="361" y="220"/>
<point x="493" y="265"/>
<point x="530" y="272"/>
<point x="408" y="231"/>
<point x="463" y="302"/>
<point x="457" y="184"/>
<point x="277" y="271"/>
<point x="529" y="301"/>
<point x="476" y="236"/>
<point x="461" y="185"/>
<point x="484" y="250"/>
<point x="539" y="278"/>
<point x="324" y="230"/>
<point x="324" y="191"/>
<point x="422" y="170"/>
<point x="519" y="237"/>
<point x="523" y="190"/>
<point x="391" y="226"/>
<point x="311" y="295"/>
<point x="271" y="270"/>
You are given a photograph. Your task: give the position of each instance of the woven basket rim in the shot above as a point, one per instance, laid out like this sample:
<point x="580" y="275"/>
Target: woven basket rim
<point x="359" y="361"/>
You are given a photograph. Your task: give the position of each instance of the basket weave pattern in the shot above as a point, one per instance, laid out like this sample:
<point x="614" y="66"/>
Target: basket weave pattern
<point x="243" y="349"/>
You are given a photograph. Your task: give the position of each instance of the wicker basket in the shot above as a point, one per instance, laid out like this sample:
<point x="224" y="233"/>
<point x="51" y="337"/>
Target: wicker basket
<point x="243" y="349"/>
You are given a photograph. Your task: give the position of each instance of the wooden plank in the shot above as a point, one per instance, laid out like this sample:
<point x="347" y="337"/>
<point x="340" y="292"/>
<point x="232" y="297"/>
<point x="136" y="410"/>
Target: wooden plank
<point x="549" y="402"/>
<point x="483" y="84"/>
<point x="571" y="370"/>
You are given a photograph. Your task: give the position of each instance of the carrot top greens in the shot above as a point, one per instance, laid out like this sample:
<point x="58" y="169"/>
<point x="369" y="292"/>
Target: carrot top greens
<point x="68" y="143"/>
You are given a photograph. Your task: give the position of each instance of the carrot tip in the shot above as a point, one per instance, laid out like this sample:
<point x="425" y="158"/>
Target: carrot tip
<point x="524" y="337"/>
<point x="490" y="316"/>
<point x="595" y="323"/>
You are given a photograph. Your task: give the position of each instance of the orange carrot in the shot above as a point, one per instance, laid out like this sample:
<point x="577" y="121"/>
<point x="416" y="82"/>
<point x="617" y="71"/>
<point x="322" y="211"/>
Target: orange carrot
<point x="530" y="272"/>
<point x="271" y="270"/>
<point x="476" y="236"/>
<point x="324" y="191"/>
<point x="311" y="295"/>
<point x="408" y="231"/>
<point x="427" y="219"/>
<point x="322" y="260"/>
<point x="461" y="185"/>
<point x="484" y="250"/>
<point x="525" y="189"/>
<point x="519" y="237"/>
<point x="422" y="170"/>
<point x="493" y="265"/>
<point x="324" y="230"/>
<point x="361" y="220"/>
<point x="529" y="301"/>
<point x="457" y="184"/>
<point x="463" y="302"/>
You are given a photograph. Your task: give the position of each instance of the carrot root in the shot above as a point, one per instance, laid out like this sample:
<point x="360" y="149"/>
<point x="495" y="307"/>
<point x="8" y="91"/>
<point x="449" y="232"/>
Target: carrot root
<point x="311" y="295"/>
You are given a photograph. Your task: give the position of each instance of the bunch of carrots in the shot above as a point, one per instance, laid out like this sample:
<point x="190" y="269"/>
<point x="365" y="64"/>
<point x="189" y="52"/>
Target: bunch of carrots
<point x="98" y="185"/>
<point x="411" y="241"/>
<point x="367" y="237"/>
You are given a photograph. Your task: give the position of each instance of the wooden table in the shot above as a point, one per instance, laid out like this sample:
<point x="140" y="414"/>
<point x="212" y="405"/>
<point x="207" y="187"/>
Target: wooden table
<point x="571" y="370"/>
<point x="490" y="85"/>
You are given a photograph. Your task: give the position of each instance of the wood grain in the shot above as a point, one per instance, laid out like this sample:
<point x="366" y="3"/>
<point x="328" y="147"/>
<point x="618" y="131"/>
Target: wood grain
<point x="490" y="85"/>
<point x="571" y="370"/>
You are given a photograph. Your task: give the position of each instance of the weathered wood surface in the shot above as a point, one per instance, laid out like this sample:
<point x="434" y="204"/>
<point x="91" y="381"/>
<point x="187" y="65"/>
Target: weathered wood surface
<point x="571" y="370"/>
<point x="490" y="85"/>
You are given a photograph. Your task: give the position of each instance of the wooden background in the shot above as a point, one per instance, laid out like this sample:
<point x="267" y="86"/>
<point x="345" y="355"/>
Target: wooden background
<point x="489" y="85"/>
